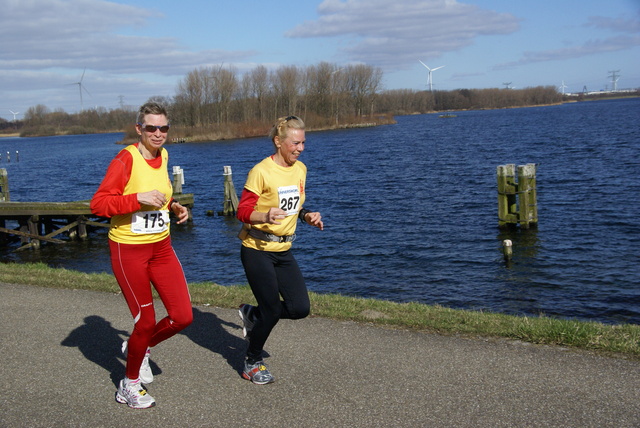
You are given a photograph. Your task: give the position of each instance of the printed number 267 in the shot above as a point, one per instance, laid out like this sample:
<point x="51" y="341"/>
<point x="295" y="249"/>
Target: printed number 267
<point x="289" y="204"/>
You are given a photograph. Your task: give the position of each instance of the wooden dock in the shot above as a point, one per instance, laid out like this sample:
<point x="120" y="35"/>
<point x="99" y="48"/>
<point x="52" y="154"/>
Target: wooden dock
<point x="44" y="221"/>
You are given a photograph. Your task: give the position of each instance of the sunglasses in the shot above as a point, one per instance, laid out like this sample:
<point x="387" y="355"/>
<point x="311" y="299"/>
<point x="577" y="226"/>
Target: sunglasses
<point x="152" y="128"/>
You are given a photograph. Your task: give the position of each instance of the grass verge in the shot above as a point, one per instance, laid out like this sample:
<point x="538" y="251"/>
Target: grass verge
<point x="621" y="340"/>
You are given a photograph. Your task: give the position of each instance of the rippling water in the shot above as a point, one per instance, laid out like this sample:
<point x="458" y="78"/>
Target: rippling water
<point x="410" y="209"/>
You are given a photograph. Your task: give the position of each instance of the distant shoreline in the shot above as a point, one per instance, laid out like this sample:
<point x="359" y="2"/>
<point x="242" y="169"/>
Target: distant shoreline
<point x="221" y="136"/>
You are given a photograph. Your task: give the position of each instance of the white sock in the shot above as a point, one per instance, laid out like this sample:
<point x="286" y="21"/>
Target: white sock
<point x="128" y="381"/>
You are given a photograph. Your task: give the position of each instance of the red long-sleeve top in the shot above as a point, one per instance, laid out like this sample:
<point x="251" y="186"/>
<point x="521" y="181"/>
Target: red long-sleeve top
<point x="247" y="204"/>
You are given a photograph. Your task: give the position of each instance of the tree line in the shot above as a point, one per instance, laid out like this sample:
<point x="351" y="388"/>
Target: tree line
<point x="39" y="120"/>
<point x="221" y="101"/>
<point x="322" y="94"/>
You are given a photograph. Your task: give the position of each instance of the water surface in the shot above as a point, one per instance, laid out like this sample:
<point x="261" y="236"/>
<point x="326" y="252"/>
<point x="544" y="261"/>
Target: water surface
<point x="410" y="210"/>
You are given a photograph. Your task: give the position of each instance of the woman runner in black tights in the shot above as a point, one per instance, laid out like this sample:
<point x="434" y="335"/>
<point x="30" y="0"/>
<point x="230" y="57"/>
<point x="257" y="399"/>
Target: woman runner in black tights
<point x="271" y="203"/>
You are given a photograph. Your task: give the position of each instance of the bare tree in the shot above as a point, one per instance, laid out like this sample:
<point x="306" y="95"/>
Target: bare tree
<point x="190" y="96"/>
<point x="246" y="98"/>
<point x="226" y="85"/>
<point x="261" y="87"/>
<point x="36" y="114"/>
<point x="318" y="88"/>
<point x="364" y="82"/>
<point x="286" y="87"/>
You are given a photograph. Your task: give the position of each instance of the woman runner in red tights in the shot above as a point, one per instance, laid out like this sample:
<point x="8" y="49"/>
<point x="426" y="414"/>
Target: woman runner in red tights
<point x="136" y="193"/>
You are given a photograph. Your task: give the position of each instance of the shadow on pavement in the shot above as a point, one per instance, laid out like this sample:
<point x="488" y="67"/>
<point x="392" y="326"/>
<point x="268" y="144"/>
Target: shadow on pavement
<point x="101" y="344"/>
<point x="207" y="330"/>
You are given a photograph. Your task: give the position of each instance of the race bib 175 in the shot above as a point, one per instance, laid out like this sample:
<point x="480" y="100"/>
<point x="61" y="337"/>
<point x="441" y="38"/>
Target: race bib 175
<point x="145" y="222"/>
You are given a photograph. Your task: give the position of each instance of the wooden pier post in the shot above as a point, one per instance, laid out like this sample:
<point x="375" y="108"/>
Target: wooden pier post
<point x="517" y="200"/>
<point x="82" y="228"/>
<point x="185" y="199"/>
<point x="230" y="206"/>
<point x="507" y="208"/>
<point x="34" y="229"/>
<point x="527" y="194"/>
<point x="178" y="179"/>
<point x="4" y="185"/>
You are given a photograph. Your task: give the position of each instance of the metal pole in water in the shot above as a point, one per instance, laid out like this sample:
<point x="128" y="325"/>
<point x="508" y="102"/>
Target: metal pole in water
<point x="507" y="249"/>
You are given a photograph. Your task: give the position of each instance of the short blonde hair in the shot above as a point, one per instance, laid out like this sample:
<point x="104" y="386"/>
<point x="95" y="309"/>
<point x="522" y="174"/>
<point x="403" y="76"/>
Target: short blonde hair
<point x="151" y="108"/>
<point x="282" y="126"/>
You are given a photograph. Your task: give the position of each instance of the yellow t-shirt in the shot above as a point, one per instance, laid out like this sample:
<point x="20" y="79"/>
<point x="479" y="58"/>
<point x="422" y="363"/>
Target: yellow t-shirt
<point x="148" y="224"/>
<point x="281" y="187"/>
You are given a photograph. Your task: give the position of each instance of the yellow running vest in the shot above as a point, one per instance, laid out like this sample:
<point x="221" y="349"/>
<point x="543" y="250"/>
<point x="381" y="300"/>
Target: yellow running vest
<point x="278" y="186"/>
<point x="148" y="224"/>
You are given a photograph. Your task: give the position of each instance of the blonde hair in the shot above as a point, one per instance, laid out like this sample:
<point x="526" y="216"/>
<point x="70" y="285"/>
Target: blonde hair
<point x="282" y="126"/>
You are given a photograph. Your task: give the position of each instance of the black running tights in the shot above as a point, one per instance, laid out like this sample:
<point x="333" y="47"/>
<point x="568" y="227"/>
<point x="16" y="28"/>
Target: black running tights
<point x="271" y="275"/>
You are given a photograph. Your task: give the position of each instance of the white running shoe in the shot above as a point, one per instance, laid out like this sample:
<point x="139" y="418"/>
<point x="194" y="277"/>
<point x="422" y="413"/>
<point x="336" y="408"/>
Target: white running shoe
<point x="134" y="395"/>
<point x="146" y="375"/>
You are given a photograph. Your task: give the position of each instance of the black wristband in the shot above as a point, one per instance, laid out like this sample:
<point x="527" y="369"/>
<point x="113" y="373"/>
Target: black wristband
<point x="303" y="212"/>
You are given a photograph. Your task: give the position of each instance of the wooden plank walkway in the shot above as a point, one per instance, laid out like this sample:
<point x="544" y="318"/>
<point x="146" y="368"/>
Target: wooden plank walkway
<point x="42" y="221"/>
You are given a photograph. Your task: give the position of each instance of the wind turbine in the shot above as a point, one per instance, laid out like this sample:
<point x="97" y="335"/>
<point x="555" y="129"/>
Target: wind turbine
<point x="14" y="113"/>
<point x="81" y="88"/>
<point x="563" y="87"/>
<point x="430" y="79"/>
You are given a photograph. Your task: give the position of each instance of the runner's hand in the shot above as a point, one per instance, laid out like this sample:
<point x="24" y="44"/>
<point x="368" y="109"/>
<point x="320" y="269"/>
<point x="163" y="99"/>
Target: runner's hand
<point x="274" y="215"/>
<point x="154" y="198"/>
<point x="314" y="219"/>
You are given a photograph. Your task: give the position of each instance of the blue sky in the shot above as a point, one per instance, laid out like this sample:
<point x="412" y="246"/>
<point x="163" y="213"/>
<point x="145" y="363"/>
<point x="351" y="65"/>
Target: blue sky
<point x="133" y="50"/>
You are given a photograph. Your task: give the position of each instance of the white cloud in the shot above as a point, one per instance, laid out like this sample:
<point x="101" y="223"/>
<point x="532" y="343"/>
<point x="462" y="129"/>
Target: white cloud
<point x="74" y="34"/>
<point x="392" y="34"/>
<point x="591" y="47"/>
<point x="46" y="45"/>
<point x="620" y="24"/>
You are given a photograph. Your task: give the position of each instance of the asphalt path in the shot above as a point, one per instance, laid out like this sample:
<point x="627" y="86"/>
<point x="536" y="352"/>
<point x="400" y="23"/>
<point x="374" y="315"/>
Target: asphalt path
<point x="61" y="362"/>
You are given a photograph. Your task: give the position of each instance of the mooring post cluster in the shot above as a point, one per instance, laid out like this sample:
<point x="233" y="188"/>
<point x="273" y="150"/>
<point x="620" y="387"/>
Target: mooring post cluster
<point x="517" y="200"/>
<point x="517" y="203"/>
<point x="8" y="158"/>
